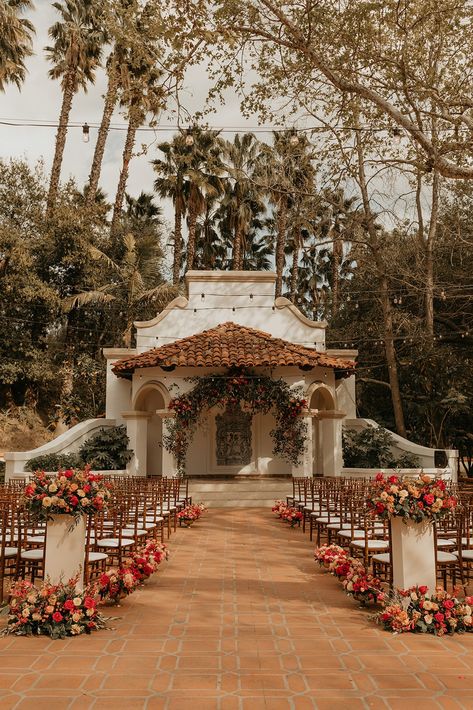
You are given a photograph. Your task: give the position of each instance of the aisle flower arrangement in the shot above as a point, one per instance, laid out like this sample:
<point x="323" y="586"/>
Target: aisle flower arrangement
<point x="57" y="610"/>
<point x="139" y="566"/>
<point x="416" y="611"/>
<point x="68" y="492"/>
<point x="191" y="513"/>
<point x="292" y="516"/>
<point x="356" y="580"/>
<point x="279" y="507"/>
<point x="418" y="499"/>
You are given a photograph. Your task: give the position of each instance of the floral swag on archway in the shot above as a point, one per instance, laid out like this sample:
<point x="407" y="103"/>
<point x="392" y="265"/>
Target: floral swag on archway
<point x="259" y="394"/>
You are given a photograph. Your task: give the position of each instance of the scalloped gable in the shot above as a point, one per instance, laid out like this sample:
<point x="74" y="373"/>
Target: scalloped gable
<point x="242" y="297"/>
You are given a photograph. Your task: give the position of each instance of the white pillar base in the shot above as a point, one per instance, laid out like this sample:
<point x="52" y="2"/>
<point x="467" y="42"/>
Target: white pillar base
<point x="65" y="549"/>
<point x="413" y="554"/>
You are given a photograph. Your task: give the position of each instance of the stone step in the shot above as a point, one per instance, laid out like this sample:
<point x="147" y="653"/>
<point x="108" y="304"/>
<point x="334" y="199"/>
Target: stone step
<point x="239" y="493"/>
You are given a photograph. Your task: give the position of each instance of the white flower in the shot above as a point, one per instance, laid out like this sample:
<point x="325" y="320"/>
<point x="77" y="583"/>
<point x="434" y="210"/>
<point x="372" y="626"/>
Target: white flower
<point x="77" y="601"/>
<point x="47" y="502"/>
<point x="52" y="488"/>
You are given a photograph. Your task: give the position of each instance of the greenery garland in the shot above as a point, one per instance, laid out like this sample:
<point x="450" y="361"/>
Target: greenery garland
<point x="261" y="395"/>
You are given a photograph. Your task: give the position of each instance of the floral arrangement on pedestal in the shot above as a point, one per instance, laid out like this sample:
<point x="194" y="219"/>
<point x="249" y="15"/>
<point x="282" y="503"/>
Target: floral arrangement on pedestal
<point x="190" y="514"/>
<point x="60" y="610"/>
<point x="279" y="507"/>
<point x="56" y="610"/>
<point x="423" y="499"/>
<point x="416" y="611"/>
<point x="139" y="566"/>
<point x="356" y="580"/>
<point x="259" y="393"/>
<point x="293" y="516"/>
<point x="67" y="492"/>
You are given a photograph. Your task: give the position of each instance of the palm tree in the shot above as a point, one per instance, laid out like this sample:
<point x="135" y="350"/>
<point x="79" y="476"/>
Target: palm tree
<point x="121" y="32"/>
<point x="211" y="250"/>
<point x="203" y="175"/>
<point x="284" y="171"/>
<point x="145" y="95"/>
<point x="170" y="183"/>
<point x="15" y="41"/>
<point x="134" y="282"/>
<point x="241" y="199"/>
<point x="75" y="54"/>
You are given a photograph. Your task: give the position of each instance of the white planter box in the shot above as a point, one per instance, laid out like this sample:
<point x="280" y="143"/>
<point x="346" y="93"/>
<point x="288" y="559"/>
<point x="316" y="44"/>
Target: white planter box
<point x="65" y="549"/>
<point x="413" y="554"/>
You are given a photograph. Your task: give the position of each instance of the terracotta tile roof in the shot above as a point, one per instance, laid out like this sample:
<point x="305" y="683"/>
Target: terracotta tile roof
<point x="230" y="345"/>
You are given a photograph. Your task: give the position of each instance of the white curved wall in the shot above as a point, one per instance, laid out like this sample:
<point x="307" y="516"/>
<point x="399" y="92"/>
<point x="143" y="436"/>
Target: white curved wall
<point x="68" y="442"/>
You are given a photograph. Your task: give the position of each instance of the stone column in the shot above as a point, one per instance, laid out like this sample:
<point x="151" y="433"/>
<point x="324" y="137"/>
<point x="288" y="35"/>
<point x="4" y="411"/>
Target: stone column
<point x="137" y="431"/>
<point x="331" y="441"/>
<point x="305" y="465"/>
<point x="169" y="465"/>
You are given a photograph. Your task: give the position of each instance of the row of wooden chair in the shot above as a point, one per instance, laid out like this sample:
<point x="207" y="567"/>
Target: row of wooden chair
<point x="140" y="509"/>
<point x="335" y="509"/>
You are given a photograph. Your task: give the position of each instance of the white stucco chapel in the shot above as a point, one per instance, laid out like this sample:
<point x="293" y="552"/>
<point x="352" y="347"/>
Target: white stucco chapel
<point x="226" y="320"/>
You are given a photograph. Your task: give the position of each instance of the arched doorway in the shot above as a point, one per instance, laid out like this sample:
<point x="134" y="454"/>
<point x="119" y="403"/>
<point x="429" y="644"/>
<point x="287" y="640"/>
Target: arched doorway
<point x="152" y="397"/>
<point x="326" y="447"/>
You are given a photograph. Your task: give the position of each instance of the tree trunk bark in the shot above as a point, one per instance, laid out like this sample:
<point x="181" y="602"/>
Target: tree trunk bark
<point x="295" y="268"/>
<point x="61" y="135"/>
<point x="280" y="244"/>
<point x="109" y="106"/>
<point x="389" y="348"/>
<point x="133" y="123"/>
<point x="237" y="249"/>
<point x="429" y="256"/>
<point x="191" y="240"/>
<point x="176" y="266"/>
<point x="336" y="255"/>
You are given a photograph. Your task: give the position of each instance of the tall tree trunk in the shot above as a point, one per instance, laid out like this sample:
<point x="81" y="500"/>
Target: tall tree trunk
<point x="295" y="266"/>
<point x="280" y="244"/>
<point x="133" y="124"/>
<point x="176" y="266"/>
<point x="237" y="249"/>
<point x="389" y="348"/>
<point x="61" y="135"/>
<point x="429" y="255"/>
<point x="336" y="259"/>
<point x="109" y="106"/>
<point x="191" y="224"/>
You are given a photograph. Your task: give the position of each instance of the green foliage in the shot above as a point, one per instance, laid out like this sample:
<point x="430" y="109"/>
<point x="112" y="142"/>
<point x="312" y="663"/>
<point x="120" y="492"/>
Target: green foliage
<point x="53" y="462"/>
<point x="371" y="448"/>
<point x="107" y="450"/>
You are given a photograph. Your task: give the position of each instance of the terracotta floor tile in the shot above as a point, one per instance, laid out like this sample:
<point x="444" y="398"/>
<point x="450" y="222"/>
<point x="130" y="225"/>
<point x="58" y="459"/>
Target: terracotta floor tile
<point x="234" y="622"/>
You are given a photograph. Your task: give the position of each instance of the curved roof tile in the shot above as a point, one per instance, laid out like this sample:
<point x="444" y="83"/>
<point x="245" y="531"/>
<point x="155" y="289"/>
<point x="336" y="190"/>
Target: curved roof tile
<point x="230" y="345"/>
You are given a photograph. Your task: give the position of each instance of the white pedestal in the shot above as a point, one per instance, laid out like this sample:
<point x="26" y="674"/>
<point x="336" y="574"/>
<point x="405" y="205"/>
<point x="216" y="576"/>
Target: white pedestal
<point x="65" y="549"/>
<point x="413" y="554"/>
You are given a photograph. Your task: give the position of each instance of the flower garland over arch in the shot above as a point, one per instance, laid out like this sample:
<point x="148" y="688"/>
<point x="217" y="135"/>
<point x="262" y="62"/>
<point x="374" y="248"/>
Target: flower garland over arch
<point x="259" y="393"/>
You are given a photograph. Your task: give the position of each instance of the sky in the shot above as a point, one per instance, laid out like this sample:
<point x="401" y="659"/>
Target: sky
<point x="40" y="99"/>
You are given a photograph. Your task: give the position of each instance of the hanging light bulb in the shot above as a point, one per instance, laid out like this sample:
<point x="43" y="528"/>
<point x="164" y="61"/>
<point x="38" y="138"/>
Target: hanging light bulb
<point x="294" y="139"/>
<point x="443" y="295"/>
<point x="86" y="133"/>
<point x="189" y="140"/>
<point x="397" y="135"/>
<point x="395" y="300"/>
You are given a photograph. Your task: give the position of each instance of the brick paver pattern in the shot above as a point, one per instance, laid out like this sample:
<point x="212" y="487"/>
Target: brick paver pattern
<point x="239" y="618"/>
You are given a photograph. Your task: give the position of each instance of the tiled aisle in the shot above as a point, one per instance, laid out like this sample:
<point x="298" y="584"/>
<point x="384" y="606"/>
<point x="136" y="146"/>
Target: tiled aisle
<point x="240" y="618"/>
